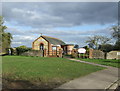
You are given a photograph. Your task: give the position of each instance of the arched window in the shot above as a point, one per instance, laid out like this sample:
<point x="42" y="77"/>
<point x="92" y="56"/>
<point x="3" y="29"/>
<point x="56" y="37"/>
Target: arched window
<point x="41" y="46"/>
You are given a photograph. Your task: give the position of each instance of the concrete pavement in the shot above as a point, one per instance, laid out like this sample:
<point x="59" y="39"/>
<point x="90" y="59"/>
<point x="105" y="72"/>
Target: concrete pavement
<point x="103" y="79"/>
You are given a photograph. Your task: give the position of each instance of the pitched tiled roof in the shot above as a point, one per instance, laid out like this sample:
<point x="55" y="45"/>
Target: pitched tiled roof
<point x="54" y="41"/>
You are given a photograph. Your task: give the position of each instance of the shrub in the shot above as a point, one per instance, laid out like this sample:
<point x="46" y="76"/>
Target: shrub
<point x="74" y="55"/>
<point x="22" y="49"/>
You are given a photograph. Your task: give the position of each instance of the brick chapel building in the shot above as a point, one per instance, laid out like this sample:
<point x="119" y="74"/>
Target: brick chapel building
<point x="51" y="45"/>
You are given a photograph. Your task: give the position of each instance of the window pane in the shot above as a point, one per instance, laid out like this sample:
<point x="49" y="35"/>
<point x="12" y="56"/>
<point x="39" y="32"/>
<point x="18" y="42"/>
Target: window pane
<point x="54" y="48"/>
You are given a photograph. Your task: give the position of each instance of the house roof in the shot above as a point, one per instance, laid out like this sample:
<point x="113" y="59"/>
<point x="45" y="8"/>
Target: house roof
<point x="54" y="41"/>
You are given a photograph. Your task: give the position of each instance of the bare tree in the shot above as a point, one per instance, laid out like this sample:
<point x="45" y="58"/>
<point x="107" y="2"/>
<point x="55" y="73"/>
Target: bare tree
<point x="116" y="32"/>
<point x="97" y="40"/>
<point x="116" y="35"/>
<point x="93" y="41"/>
<point x="104" y="40"/>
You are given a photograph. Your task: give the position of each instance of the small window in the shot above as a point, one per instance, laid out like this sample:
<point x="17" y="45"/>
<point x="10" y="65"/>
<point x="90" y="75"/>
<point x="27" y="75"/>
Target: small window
<point x="54" y="48"/>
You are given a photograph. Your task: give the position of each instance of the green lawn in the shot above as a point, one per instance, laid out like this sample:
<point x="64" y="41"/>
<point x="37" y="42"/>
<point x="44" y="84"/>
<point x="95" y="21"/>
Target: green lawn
<point x="42" y="71"/>
<point x="108" y="62"/>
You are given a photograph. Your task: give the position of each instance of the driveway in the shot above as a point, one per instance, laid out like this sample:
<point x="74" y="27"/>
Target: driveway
<point x="104" y="79"/>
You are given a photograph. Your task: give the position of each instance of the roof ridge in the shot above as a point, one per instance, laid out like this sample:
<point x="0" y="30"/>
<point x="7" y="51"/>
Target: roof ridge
<point x="51" y="37"/>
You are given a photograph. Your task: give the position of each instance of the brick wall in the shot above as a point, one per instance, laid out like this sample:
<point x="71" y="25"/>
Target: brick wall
<point x="36" y="44"/>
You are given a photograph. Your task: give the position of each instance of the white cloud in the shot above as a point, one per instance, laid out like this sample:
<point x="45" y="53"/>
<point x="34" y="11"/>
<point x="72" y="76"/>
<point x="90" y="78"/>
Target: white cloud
<point x="16" y="42"/>
<point x="46" y="17"/>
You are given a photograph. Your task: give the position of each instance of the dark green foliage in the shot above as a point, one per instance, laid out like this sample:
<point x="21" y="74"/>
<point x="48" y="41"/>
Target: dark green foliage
<point x="5" y="38"/>
<point x="117" y="45"/>
<point x="86" y="48"/>
<point x="106" y="47"/>
<point x="22" y="49"/>
<point x="76" y="46"/>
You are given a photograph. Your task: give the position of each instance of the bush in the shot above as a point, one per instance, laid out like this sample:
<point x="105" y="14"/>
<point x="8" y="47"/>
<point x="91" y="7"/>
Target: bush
<point x="74" y="55"/>
<point x="22" y="49"/>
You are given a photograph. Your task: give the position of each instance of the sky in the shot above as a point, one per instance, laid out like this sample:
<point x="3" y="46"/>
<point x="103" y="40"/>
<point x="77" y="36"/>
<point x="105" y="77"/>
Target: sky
<point x="72" y="22"/>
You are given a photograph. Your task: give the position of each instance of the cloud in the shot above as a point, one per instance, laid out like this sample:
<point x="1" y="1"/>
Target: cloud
<point x="76" y="37"/>
<point x="46" y="17"/>
<point x="15" y="31"/>
<point x="22" y="40"/>
<point x="80" y="32"/>
<point x="60" y="14"/>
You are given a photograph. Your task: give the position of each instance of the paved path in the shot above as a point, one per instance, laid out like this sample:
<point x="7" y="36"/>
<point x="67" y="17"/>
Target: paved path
<point x="103" y="79"/>
<point x="88" y="62"/>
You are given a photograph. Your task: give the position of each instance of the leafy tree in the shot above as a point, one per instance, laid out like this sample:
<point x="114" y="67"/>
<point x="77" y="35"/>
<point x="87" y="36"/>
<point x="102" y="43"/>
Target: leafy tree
<point x="117" y="45"/>
<point x="86" y="47"/>
<point x="5" y="38"/>
<point x="106" y="47"/>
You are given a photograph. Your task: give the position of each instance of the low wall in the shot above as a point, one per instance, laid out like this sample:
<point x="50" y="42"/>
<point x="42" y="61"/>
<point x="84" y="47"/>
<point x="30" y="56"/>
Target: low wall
<point x="43" y="53"/>
<point x="97" y="54"/>
<point x="113" y="55"/>
<point x="33" y="53"/>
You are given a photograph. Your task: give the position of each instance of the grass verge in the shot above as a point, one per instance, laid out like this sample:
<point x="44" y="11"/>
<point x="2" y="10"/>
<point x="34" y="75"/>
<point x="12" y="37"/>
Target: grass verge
<point x="107" y="62"/>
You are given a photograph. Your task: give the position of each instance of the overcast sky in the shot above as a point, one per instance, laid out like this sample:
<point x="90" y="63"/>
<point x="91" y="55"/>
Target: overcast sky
<point x="70" y="22"/>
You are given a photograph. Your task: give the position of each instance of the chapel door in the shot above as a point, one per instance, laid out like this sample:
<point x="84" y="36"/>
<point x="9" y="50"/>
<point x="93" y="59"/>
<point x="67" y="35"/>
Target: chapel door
<point x="41" y="46"/>
<point x="42" y="50"/>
